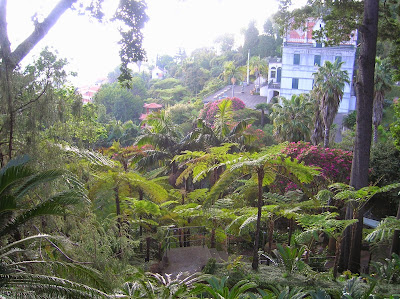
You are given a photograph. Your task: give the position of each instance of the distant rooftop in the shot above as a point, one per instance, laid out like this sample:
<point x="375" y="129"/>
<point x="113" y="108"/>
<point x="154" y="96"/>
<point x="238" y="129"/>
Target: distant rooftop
<point x="152" y="105"/>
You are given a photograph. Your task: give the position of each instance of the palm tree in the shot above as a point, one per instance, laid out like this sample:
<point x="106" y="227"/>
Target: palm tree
<point x="383" y="81"/>
<point x="258" y="67"/>
<point x="263" y="167"/>
<point x="17" y="258"/>
<point x="17" y="180"/>
<point x="263" y="107"/>
<point x="223" y="130"/>
<point x="292" y="118"/>
<point x="329" y="83"/>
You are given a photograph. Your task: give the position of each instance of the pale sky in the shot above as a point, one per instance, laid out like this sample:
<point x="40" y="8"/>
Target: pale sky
<point x="92" y="49"/>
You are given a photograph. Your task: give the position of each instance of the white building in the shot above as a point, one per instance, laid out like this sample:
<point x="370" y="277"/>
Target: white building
<point x="273" y="87"/>
<point x="157" y="73"/>
<point x="301" y="57"/>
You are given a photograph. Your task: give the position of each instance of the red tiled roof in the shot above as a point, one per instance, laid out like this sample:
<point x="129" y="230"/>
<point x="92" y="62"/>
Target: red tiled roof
<point x="152" y="106"/>
<point x="303" y="33"/>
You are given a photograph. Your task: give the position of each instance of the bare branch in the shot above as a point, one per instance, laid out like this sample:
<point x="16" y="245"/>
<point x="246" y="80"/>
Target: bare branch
<point x="40" y="31"/>
<point x="23" y="107"/>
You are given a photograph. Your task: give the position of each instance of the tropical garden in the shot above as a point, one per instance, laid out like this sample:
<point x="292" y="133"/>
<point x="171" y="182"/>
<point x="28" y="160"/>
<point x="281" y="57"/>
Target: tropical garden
<point x="94" y="201"/>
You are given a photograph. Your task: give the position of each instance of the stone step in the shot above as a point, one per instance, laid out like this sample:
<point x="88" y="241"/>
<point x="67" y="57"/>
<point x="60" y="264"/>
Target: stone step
<point x="187" y="259"/>
<point x="220" y="256"/>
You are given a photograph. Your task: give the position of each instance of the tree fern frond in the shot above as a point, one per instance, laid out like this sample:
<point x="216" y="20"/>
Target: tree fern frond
<point x="150" y="188"/>
<point x="227" y="178"/>
<point x="91" y="156"/>
<point x="384" y="231"/>
<point x="248" y="225"/>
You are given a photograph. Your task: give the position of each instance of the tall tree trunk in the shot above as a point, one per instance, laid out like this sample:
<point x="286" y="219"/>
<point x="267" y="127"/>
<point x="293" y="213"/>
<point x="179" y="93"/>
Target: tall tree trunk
<point x="365" y="97"/>
<point x="346" y="241"/>
<point x="262" y="118"/>
<point x="212" y="238"/>
<point x="355" y="253"/>
<point x="337" y="256"/>
<point x="375" y="134"/>
<point x="260" y="178"/>
<point x="270" y="235"/>
<point x="148" y="244"/>
<point x="117" y="208"/>
<point x="326" y="136"/>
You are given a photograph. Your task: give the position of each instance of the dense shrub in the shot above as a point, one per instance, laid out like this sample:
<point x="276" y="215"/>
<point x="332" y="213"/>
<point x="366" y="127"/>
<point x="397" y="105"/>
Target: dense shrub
<point x="211" y="109"/>
<point x="335" y="164"/>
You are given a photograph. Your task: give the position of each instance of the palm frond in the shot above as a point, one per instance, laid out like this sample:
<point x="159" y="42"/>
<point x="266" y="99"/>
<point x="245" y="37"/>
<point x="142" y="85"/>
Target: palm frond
<point x="20" y="284"/>
<point x="54" y="205"/>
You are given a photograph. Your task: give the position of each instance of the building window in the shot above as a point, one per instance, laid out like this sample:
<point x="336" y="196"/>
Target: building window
<point x="318" y="45"/>
<point x="338" y="58"/>
<point x="296" y="59"/>
<point x="273" y="74"/>
<point x="317" y="60"/>
<point x="295" y="83"/>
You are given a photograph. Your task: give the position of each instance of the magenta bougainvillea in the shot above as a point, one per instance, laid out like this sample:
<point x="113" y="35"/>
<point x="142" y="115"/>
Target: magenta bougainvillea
<point x="210" y="109"/>
<point x="335" y="164"/>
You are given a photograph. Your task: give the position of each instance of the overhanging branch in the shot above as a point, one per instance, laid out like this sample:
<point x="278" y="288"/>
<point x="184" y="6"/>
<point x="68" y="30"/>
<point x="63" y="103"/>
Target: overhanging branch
<point x="40" y="31"/>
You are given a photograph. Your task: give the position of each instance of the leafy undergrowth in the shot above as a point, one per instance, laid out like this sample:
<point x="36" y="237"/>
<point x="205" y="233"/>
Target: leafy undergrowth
<point x="268" y="276"/>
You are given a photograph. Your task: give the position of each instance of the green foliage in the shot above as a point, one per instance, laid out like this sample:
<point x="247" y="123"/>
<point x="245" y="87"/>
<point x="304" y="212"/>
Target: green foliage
<point x="170" y="90"/>
<point x="362" y="196"/>
<point x="121" y="103"/>
<point x="292" y="118"/>
<point x="328" y="88"/>
<point x="388" y="270"/>
<point x="325" y="222"/>
<point x="217" y="288"/>
<point x="289" y="258"/>
<point x="349" y="121"/>
<point x="395" y="126"/>
<point x="17" y="181"/>
<point x="18" y="260"/>
<point x="283" y="292"/>
<point x="156" y="286"/>
<point x="354" y="288"/>
<point x="394" y="92"/>
<point x="383" y="233"/>
<point x="211" y="86"/>
<point x="209" y="268"/>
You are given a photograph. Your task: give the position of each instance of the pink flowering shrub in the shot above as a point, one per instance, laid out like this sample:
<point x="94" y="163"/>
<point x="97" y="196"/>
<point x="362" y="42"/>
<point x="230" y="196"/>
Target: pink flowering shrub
<point x="210" y="109"/>
<point x="335" y="164"/>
